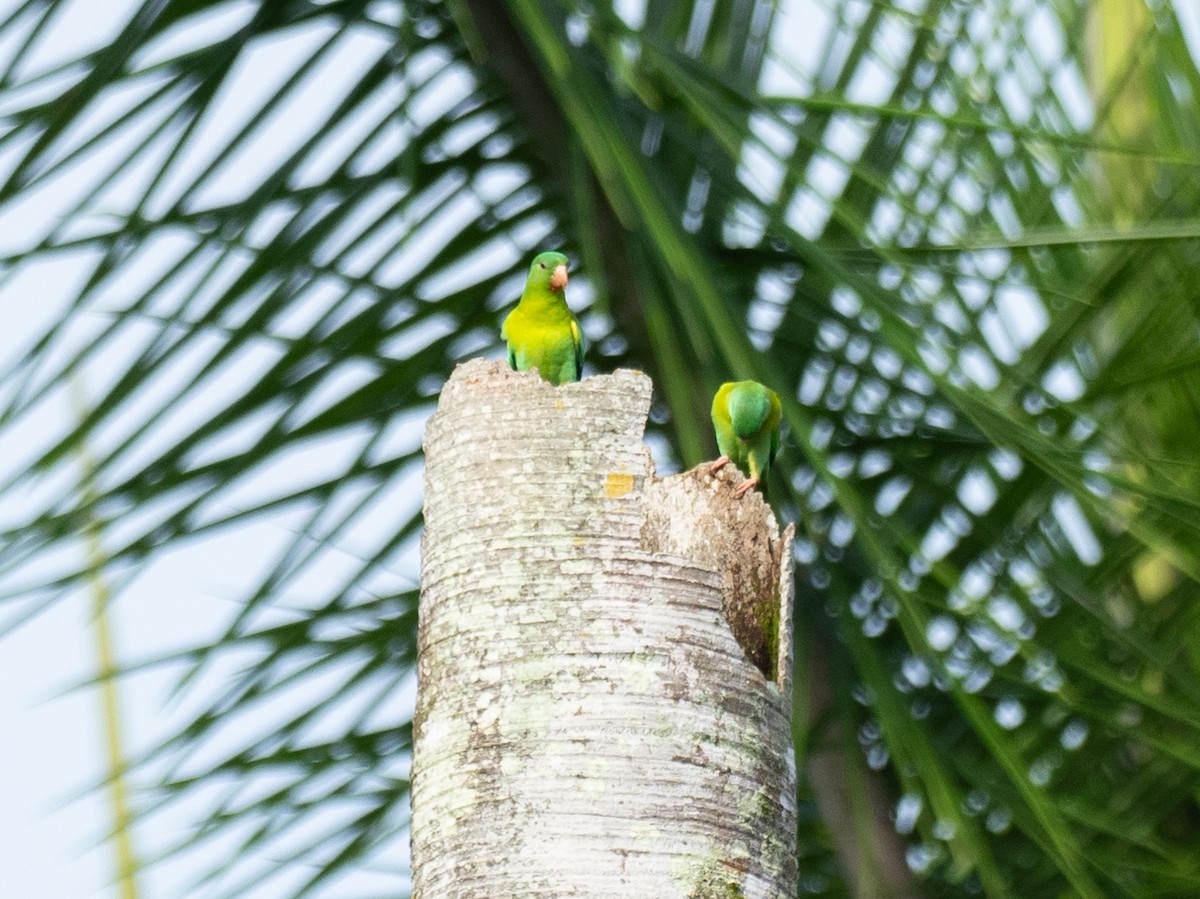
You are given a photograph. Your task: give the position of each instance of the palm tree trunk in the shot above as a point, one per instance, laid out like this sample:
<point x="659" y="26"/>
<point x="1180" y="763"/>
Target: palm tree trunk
<point x="589" y="718"/>
<point x="850" y="796"/>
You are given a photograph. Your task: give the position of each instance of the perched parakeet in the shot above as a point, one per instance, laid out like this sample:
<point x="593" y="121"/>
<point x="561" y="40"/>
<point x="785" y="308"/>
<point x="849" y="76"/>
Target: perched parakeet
<point x="541" y="332"/>
<point x="746" y="415"/>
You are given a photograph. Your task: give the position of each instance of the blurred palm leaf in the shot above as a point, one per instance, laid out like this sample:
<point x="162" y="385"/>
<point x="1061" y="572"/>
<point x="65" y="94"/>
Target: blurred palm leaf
<point x="275" y="227"/>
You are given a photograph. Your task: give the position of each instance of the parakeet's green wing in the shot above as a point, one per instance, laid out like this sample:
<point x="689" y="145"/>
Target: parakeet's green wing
<point x="773" y="422"/>
<point x="578" y="338"/>
<point x="721" y="424"/>
<point x="512" y="356"/>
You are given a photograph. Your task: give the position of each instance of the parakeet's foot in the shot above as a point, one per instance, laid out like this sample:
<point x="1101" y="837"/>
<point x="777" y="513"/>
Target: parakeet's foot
<point x="718" y="465"/>
<point x="747" y="486"/>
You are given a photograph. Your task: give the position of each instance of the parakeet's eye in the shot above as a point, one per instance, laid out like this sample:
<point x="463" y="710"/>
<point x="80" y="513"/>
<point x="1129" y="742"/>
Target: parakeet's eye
<point x="541" y="265"/>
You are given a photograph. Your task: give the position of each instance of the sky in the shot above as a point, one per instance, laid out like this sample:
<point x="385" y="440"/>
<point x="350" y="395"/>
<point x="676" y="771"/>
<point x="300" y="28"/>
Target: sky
<point x="53" y="820"/>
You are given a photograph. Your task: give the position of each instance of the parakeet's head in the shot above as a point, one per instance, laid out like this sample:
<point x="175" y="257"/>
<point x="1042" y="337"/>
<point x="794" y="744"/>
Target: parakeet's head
<point x="549" y="270"/>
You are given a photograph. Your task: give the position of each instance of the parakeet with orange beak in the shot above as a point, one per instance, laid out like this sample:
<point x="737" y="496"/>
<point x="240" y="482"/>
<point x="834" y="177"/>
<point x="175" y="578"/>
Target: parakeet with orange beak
<point x="746" y="416"/>
<point x="542" y="332"/>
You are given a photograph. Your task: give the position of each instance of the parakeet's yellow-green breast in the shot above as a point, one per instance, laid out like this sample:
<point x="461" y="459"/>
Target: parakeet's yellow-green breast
<point x="746" y="415"/>
<point x="541" y="332"/>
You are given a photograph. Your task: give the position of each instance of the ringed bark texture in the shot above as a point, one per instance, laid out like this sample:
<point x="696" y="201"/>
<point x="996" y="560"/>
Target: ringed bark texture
<point x="587" y="723"/>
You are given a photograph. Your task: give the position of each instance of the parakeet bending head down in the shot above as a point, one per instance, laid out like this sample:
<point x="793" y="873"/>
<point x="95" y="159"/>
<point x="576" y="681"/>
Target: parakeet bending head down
<point x="746" y="415"/>
<point x="542" y="332"/>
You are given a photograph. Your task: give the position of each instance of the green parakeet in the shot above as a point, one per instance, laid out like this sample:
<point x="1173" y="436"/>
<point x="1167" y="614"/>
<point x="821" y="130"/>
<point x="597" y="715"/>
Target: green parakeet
<point x="746" y="415"/>
<point x="542" y="332"/>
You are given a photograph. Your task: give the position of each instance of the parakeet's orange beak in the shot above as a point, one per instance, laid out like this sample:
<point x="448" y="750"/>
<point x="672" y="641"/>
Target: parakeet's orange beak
<point x="558" y="279"/>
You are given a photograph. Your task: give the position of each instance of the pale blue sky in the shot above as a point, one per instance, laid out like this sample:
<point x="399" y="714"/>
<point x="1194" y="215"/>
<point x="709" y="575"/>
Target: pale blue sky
<point x="52" y="821"/>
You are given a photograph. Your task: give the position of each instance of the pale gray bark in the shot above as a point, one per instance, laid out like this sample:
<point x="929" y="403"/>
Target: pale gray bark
<point x="587" y="723"/>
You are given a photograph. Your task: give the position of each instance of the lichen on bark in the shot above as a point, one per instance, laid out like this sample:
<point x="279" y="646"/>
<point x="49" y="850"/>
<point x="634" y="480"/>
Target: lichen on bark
<point x="587" y="723"/>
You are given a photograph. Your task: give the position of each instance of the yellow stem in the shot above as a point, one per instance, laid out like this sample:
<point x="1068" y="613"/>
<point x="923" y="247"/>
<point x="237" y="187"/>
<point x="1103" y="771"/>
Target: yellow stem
<point x="106" y="676"/>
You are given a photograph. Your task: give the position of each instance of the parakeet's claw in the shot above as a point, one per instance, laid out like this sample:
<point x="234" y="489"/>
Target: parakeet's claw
<point x="747" y="485"/>
<point x="718" y="465"/>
